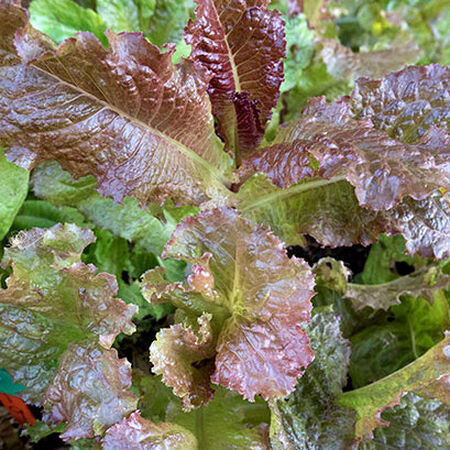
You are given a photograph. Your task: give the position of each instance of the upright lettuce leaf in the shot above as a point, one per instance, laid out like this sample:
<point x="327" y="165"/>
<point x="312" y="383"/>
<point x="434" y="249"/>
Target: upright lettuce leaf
<point x="51" y="300"/>
<point x="89" y="391"/>
<point x="63" y="19"/>
<point x="242" y="44"/>
<point x="309" y="417"/>
<point x="13" y="190"/>
<point x="257" y="297"/>
<point x="126" y="15"/>
<point x="129" y="109"/>
<point x="427" y="375"/>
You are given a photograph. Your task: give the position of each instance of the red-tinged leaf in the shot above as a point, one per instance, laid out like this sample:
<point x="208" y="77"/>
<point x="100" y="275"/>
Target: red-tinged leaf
<point x="53" y="299"/>
<point x="406" y="103"/>
<point x="90" y="391"/>
<point x="242" y="44"/>
<point x="259" y="300"/>
<point x="382" y="170"/>
<point x="137" y="433"/>
<point x="178" y="353"/>
<point x="127" y="115"/>
<point x="329" y="211"/>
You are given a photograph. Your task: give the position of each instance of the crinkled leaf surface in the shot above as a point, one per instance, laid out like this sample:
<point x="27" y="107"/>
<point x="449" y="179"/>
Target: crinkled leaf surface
<point x="381" y="169"/>
<point x="241" y="43"/>
<point x="259" y="300"/>
<point x="418" y="423"/>
<point x="53" y="299"/>
<point x="428" y="374"/>
<point x="425" y="282"/>
<point x="126" y="220"/>
<point x="126" y="110"/>
<point x="137" y="433"/>
<point x="89" y="391"/>
<point x="309" y="418"/>
<point x="310" y="159"/>
<point x="13" y="190"/>
<point x="64" y="18"/>
<point x="406" y="103"/>
<point x="175" y="354"/>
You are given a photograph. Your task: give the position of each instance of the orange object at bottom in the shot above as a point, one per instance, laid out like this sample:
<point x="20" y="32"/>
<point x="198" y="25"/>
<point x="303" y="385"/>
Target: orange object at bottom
<point x="18" y="409"/>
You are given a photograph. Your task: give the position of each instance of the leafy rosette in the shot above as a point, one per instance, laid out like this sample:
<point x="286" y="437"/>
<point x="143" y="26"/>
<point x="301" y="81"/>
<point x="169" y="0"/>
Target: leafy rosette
<point x="89" y="391"/>
<point x="53" y="299"/>
<point x="243" y="307"/>
<point x="326" y="148"/>
<point x="126" y="110"/>
<point x="242" y="43"/>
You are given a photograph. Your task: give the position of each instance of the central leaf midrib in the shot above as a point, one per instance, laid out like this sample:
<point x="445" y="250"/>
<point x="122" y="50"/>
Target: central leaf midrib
<point x="288" y="192"/>
<point x="186" y="151"/>
<point x="237" y="84"/>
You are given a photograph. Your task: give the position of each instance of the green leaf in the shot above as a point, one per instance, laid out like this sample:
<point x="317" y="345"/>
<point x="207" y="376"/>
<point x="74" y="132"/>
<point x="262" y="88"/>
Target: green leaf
<point x="53" y="299"/>
<point x="42" y="214"/>
<point x="168" y="20"/>
<point x="380" y="264"/>
<point x="427" y="375"/>
<point x="418" y="423"/>
<point x="309" y="417"/>
<point x="226" y="422"/>
<point x="126" y="220"/>
<point x="414" y="327"/>
<point x="13" y="190"/>
<point x="62" y="19"/>
<point x="126" y="15"/>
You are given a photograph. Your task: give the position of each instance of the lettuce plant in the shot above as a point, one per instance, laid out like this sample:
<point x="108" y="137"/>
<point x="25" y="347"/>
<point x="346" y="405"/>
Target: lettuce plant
<point x="156" y="186"/>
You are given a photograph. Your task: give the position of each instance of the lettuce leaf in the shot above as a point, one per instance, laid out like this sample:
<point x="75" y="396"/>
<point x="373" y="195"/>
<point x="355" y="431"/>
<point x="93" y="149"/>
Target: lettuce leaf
<point x="64" y="19"/>
<point x="413" y="327"/>
<point x="427" y="375"/>
<point x="227" y="421"/>
<point x="417" y="423"/>
<point x="258" y="298"/>
<point x="309" y="417"/>
<point x="242" y="44"/>
<point x="89" y="391"/>
<point x="137" y="432"/>
<point x="118" y="113"/>
<point x="13" y="190"/>
<point x="53" y="299"/>
<point x="425" y="282"/>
